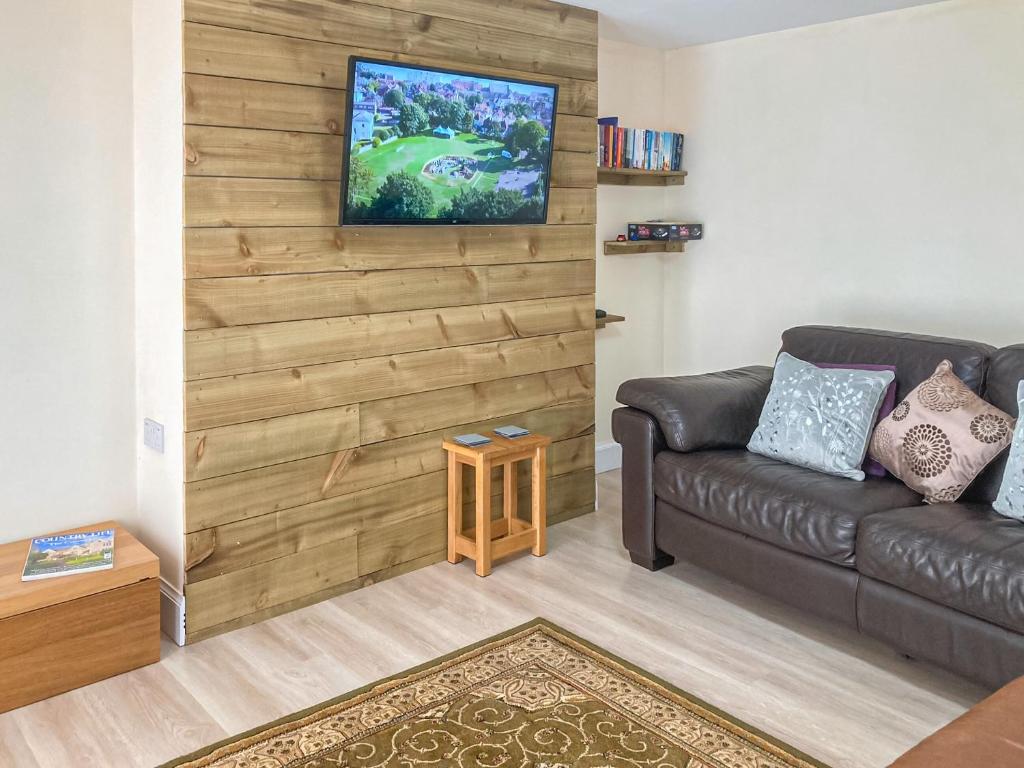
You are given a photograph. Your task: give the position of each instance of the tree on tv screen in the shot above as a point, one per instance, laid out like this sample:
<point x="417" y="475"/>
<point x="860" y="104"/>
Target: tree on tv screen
<point x="455" y="115"/>
<point x="492" y="204"/>
<point x="394" y="98"/>
<point x="401" y="196"/>
<point x="412" y="119"/>
<point x="360" y="178"/>
<point x="519" y="109"/>
<point x="445" y="113"/>
<point x="526" y="136"/>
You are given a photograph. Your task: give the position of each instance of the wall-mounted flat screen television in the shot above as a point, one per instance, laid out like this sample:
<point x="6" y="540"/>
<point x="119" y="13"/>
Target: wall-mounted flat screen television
<point x="434" y="146"/>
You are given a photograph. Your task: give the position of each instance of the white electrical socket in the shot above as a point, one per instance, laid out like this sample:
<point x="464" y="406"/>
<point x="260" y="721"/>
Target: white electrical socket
<point x="153" y="435"/>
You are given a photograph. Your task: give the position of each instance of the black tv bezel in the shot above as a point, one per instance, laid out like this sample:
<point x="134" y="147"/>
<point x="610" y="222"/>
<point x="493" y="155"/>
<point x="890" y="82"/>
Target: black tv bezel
<point x="347" y="151"/>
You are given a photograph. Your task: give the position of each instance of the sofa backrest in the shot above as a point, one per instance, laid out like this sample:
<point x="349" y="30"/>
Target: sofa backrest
<point x="914" y="356"/>
<point x="1005" y="371"/>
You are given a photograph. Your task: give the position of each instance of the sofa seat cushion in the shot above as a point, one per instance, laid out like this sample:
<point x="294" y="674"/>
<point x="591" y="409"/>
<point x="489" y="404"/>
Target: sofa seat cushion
<point x="963" y="556"/>
<point x="791" y="507"/>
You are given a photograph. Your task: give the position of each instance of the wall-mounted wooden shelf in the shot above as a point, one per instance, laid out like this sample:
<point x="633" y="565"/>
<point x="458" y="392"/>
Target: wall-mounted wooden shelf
<point x="603" y="321"/>
<point x="613" y="247"/>
<point x="638" y="177"/>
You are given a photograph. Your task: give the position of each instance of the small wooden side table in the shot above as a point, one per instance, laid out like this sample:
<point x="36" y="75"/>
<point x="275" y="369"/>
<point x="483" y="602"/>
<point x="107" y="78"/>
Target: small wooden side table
<point x="490" y="540"/>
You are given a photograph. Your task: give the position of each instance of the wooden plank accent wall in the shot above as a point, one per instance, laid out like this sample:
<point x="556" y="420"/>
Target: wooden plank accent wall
<point x="325" y="364"/>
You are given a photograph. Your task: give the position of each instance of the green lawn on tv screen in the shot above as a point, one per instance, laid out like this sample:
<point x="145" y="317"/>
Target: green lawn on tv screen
<point x="412" y="153"/>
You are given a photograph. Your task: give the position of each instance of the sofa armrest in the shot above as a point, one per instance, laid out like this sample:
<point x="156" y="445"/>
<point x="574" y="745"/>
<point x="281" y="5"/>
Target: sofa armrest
<point x="696" y="413"/>
<point x="641" y="441"/>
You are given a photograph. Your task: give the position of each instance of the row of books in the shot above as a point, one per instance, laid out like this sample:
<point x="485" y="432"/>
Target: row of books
<point x="620" y="147"/>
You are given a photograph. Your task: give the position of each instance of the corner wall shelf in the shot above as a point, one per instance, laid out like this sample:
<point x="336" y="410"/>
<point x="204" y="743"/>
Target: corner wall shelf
<point x="613" y="247"/>
<point x="639" y="177"/>
<point x="603" y="321"/>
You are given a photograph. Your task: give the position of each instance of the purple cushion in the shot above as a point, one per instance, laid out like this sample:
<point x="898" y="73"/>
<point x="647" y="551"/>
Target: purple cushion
<point x="870" y="466"/>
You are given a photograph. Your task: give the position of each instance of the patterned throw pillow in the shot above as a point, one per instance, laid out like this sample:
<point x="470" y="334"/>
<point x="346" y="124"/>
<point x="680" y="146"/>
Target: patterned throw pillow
<point x="820" y="418"/>
<point x="941" y="437"/>
<point x="1010" y="501"/>
<point x="870" y="466"/>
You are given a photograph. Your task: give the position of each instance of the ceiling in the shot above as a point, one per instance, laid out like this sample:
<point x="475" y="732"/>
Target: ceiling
<point x="679" y="23"/>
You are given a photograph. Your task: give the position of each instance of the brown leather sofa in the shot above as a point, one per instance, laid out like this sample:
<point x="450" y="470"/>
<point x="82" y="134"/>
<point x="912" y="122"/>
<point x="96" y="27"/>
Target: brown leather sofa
<point x="941" y="582"/>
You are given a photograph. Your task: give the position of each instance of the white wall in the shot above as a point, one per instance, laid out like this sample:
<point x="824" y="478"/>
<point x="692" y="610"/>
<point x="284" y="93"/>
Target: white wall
<point x="869" y="172"/>
<point x="91" y="130"/>
<point x="158" y="152"/>
<point x="630" y="85"/>
<point x="67" y="393"/>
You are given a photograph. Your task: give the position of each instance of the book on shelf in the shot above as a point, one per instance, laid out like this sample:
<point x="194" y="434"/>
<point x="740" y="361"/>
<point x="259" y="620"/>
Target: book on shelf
<point x="637" y="148"/>
<point x="69" y="553"/>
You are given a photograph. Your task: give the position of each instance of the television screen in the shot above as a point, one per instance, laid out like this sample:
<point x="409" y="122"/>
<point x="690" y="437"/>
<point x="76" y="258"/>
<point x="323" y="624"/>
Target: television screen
<point x="431" y="146"/>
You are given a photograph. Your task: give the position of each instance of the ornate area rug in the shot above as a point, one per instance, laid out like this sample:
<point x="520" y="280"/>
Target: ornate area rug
<point x="534" y="697"/>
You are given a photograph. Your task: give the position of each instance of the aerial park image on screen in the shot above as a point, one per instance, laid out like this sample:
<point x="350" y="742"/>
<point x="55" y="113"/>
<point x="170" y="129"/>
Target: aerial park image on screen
<point x="431" y="146"/>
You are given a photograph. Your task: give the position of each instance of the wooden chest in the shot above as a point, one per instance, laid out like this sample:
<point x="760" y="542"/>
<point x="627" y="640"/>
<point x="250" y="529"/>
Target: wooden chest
<point x="62" y="633"/>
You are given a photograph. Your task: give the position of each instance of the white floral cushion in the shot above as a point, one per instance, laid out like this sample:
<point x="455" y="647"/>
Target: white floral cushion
<point x="820" y="418"/>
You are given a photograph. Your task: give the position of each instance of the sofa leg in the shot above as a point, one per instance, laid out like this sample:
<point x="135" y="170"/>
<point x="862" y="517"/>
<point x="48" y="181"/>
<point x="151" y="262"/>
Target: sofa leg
<point x="655" y="564"/>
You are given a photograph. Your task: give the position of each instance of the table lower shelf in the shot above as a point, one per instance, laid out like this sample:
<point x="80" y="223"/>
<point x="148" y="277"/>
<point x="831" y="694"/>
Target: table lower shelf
<point x="503" y="540"/>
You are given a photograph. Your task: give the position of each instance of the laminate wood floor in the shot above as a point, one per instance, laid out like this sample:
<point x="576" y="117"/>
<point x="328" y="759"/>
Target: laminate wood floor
<point x="838" y="696"/>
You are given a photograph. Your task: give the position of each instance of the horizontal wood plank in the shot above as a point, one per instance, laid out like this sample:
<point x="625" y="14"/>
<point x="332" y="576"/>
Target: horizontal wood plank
<point x="241" y="103"/>
<point x="563" y="457"/>
<point x="238" y="593"/>
<point x="574" y="169"/>
<point x="236" y="53"/>
<point x="231" y="547"/>
<point x="214" y="151"/>
<point x="313" y="597"/>
<point x="572" y="206"/>
<point x="388" y="545"/>
<point x="229" y="301"/>
<point x="426" y="411"/>
<point x="534" y="17"/>
<point x="575" y="133"/>
<point x="569" y="493"/>
<point x="233" y="202"/>
<point x="246" y="152"/>
<point x="217" y="352"/>
<point x="234" y="399"/>
<point x="221" y="500"/>
<point x="386" y="29"/>
<point x="224" y="450"/>
<point x="284" y="250"/>
<point x="212" y="552"/>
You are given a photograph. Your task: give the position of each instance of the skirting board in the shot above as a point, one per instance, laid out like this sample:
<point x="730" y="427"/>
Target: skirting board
<point x="172" y="613"/>
<point x="607" y="456"/>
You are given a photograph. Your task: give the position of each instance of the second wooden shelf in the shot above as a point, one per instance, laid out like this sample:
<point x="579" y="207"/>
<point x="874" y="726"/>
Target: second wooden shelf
<point x="612" y="247"/>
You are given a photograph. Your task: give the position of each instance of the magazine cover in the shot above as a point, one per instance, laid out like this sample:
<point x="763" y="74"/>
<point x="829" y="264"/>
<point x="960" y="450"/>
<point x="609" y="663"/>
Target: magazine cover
<point x="69" y="553"/>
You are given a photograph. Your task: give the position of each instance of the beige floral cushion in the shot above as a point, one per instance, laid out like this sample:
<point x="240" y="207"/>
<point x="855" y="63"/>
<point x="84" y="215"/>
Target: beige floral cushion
<point x="941" y="437"/>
